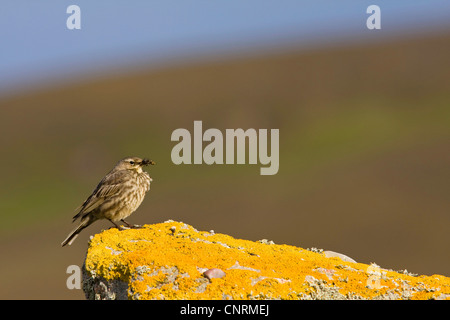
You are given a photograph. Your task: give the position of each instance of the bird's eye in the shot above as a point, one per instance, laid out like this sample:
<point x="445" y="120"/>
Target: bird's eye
<point x="131" y="162"/>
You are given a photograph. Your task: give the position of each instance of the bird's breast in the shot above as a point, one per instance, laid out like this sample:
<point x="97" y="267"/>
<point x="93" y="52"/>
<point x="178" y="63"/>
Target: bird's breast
<point x="144" y="181"/>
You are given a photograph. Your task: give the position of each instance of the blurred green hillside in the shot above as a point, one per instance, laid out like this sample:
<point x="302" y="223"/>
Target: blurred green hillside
<point x="364" y="150"/>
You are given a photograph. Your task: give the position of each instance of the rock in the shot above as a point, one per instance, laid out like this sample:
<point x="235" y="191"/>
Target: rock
<point x="214" y="273"/>
<point x="172" y="260"/>
<point x="332" y="254"/>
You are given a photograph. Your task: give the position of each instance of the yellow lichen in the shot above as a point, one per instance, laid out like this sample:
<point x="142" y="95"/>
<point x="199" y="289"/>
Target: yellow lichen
<point x="166" y="261"/>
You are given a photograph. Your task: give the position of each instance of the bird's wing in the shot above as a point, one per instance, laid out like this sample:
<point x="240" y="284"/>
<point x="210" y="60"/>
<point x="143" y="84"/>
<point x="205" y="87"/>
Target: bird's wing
<point x="110" y="186"/>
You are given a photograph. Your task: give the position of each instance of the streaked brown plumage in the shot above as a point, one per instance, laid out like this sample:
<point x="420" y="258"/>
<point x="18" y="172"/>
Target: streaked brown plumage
<point x="116" y="197"/>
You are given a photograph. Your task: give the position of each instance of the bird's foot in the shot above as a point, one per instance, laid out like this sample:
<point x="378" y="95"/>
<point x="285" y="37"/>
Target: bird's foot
<point x="131" y="226"/>
<point x="119" y="227"/>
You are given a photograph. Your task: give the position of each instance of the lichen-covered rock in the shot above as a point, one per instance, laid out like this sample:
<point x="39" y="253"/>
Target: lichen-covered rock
<point x="172" y="260"/>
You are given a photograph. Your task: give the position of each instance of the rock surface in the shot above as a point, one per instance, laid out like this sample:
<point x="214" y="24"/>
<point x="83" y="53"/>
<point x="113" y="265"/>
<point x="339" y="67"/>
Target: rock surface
<point x="172" y="260"/>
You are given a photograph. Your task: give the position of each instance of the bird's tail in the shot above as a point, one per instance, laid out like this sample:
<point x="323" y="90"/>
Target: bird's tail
<point x="74" y="234"/>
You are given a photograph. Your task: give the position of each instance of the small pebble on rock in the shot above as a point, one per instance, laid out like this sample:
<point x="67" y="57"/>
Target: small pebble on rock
<point x="214" y="273"/>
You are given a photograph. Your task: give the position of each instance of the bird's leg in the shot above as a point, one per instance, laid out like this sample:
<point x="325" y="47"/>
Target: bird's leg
<point x="133" y="226"/>
<point x="119" y="227"/>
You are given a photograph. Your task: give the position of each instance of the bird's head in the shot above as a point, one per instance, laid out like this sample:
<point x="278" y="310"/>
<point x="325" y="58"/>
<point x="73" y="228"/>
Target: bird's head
<point x="133" y="163"/>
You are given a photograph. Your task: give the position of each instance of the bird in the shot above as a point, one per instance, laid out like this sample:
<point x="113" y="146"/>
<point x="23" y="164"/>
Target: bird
<point x="116" y="196"/>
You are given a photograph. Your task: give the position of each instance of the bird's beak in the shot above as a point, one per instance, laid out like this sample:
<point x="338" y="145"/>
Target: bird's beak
<point x="146" y="162"/>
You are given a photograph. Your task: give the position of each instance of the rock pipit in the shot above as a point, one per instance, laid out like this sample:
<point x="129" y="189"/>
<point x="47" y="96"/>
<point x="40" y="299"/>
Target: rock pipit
<point x="116" y="197"/>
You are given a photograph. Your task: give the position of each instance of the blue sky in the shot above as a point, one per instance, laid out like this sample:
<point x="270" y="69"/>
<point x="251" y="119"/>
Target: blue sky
<point x="36" y="47"/>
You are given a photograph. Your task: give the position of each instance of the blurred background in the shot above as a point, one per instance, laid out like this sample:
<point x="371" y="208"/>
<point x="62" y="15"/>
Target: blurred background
<point x="364" y="120"/>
